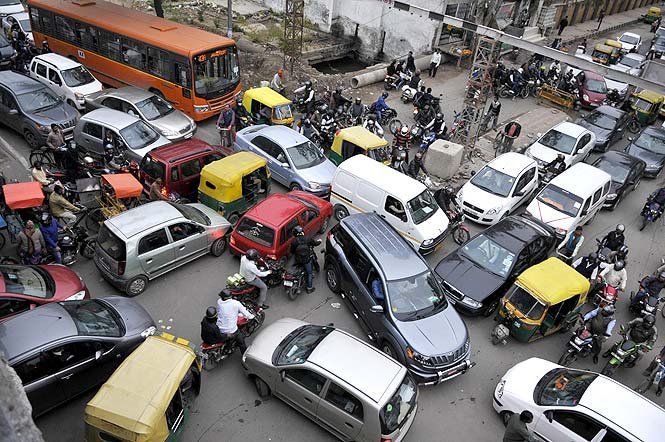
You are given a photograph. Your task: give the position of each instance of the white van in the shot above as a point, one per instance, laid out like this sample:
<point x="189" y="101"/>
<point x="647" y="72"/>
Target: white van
<point x="9" y="7"/>
<point x="362" y="184"/>
<point x="69" y="79"/>
<point x="572" y="198"/>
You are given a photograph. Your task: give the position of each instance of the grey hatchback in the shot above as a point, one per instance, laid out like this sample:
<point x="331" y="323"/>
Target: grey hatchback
<point x="63" y="349"/>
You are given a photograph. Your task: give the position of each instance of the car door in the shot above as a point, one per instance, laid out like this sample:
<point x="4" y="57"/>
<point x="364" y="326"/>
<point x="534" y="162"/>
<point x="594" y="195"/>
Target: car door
<point x="582" y="148"/>
<point x="309" y="220"/>
<point x="301" y="388"/>
<point x="12" y="306"/>
<point x="156" y="254"/>
<point x="88" y="363"/>
<point x="189" y="174"/>
<point x="56" y="84"/>
<point x="525" y="185"/>
<point x="355" y="284"/>
<point x="567" y="425"/>
<point x="584" y="216"/>
<point x="91" y="138"/>
<point x="596" y="202"/>
<point x="38" y="373"/>
<point x="7" y="104"/>
<point x="341" y="412"/>
<point x="189" y="241"/>
<point x="276" y="158"/>
<point x="395" y="214"/>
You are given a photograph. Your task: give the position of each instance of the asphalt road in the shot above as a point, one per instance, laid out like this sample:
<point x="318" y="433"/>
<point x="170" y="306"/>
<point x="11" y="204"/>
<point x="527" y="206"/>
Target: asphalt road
<point x="228" y="408"/>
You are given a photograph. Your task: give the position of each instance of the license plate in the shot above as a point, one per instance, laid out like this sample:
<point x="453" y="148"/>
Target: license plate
<point x="288" y="283"/>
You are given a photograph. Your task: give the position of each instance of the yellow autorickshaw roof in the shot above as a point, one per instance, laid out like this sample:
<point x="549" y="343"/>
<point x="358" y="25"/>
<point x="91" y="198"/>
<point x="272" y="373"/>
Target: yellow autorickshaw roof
<point x="654" y="11"/>
<point x="137" y="394"/>
<point x="230" y="170"/>
<point x="266" y="96"/>
<point x="361" y="137"/>
<point x="553" y="281"/>
<point x="650" y="96"/>
<point x="603" y="48"/>
<point x="613" y="43"/>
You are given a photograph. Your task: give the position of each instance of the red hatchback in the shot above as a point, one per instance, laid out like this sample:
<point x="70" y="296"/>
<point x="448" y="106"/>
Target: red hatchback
<point x="268" y="226"/>
<point x="593" y="90"/>
<point x="25" y="287"/>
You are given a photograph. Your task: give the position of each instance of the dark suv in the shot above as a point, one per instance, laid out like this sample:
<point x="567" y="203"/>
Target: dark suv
<point x="29" y="107"/>
<point x="396" y="297"/>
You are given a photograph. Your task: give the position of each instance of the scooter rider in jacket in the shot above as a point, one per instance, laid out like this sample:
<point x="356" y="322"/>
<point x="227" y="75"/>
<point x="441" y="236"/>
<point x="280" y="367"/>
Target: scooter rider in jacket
<point x="399" y="161"/>
<point x="357" y="110"/>
<point x="651" y="285"/>
<point x="308" y="94"/>
<point x="438" y="126"/>
<point x="253" y="275"/>
<point x="415" y="82"/>
<point x="416" y="165"/>
<point x="614" y="239"/>
<point x="300" y="248"/>
<point x="307" y="129"/>
<point x="338" y="100"/>
<point x="210" y="333"/>
<point x="601" y="322"/>
<point x="640" y="331"/>
<point x="228" y="310"/>
<point x="371" y="125"/>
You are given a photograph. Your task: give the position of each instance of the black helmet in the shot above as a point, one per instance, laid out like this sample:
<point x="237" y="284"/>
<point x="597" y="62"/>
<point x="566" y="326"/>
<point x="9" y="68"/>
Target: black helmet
<point x="211" y="313"/>
<point x="649" y="320"/>
<point x="370" y="122"/>
<point x="608" y="310"/>
<point x="330" y="112"/>
<point x="224" y="294"/>
<point x="593" y="256"/>
<point x="620" y="228"/>
<point x="619" y="265"/>
<point x="385" y="94"/>
<point x="439" y="116"/>
<point x="252" y="254"/>
<point x="308" y="84"/>
<point x="358" y="101"/>
<point x="623" y="250"/>
<point x="298" y="231"/>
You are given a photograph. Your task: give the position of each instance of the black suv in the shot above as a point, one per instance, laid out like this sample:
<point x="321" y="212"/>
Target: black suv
<point x="396" y="297"/>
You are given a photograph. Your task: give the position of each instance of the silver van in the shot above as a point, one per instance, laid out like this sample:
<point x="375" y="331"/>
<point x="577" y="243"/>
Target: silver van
<point x="145" y="242"/>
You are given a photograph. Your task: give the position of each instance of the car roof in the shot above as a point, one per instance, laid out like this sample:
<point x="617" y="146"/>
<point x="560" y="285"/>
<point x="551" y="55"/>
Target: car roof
<point x="129" y="93"/>
<point x="570" y="178"/>
<point x="632" y="34"/>
<point x="34" y="329"/>
<point x="656" y="131"/>
<point x="383" y="177"/>
<point x="511" y="163"/>
<point x="144" y="217"/>
<point x="393" y="253"/>
<point x="19" y="83"/>
<point x="181" y="150"/>
<point x="569" y="128"/>
<point x="275" y="210"/>
<point x="593" y="75"/>
<point x="110" y="117"/>
<point x="635" y="56"/>
<point x="282" y="135"/>
<point x="610" y="110"/>
<point x="619" y="158"/>
<point x="342" y="354"/>
<point x="514" y="232"/>
<point x="60" y="62"/>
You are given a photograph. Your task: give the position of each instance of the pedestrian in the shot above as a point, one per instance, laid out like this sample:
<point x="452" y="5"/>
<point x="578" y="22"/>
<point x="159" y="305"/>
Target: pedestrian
<point x="516" y="430"/>
<point x="410" y="62"/>
<point x="30" y="243"/>
<point x="562" y="25"/>
<point x="601" y="16"/>
<point x="569" y="248"/>
<point x="434" y="63"/>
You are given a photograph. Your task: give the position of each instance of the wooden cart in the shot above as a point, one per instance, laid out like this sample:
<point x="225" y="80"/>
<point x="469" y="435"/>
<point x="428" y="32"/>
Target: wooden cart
<point x="557" y="96"/>
<point x="119" y="192"/>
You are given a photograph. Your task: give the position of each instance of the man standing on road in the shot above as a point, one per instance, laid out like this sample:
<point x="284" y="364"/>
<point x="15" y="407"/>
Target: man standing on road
<point x="562" y="25"/>
<point x="410" y="62"/>
<point x="434" y="63"/>
<point x="516" y="430"/>
<point x="601" y="16"/>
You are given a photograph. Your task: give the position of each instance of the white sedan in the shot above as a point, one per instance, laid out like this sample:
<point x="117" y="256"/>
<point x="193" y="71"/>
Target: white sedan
<point x="630" y="41"/>
<point x="572" y="140"/>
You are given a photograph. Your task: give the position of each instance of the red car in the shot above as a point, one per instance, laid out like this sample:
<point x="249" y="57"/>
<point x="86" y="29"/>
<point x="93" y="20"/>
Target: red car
<point x="593" y="90"/>
<point x="25" y="287"/>
<point x="268" y="226"/>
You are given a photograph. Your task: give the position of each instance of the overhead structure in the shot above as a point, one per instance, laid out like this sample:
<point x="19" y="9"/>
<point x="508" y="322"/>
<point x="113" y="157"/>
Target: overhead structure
<point x="294" y="18"/>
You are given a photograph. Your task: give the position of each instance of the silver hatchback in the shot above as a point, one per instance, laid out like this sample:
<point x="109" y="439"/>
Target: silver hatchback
<point x="145" y="242"/>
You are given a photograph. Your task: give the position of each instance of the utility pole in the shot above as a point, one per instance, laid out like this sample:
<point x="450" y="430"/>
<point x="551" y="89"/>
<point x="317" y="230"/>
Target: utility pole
<point x="294" y="19"/>
<point x="229" y="16"/>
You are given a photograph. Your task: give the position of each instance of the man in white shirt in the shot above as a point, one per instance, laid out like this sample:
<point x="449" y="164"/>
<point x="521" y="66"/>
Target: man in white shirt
<point x="253" y="275"/>
<point x="434" y="63"/>
<point x="615" y="275"/>
<point x="228" y="310"/>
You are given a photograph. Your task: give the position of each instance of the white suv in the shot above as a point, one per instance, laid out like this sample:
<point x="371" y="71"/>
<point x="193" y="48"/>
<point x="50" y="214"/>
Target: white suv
<point x="69" y="79"/>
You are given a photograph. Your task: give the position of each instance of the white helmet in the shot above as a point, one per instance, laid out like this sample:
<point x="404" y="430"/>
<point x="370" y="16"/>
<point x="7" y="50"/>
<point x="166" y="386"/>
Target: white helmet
<point x="404" y="130"/>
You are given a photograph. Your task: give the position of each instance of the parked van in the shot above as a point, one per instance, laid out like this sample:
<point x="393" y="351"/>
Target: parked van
<point x="572" y="198"/>
<point x="69" y="79"/>
<point x="362" y="184"/>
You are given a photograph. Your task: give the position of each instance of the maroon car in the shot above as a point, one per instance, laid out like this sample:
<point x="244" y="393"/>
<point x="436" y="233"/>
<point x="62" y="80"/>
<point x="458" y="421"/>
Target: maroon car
<point x="593" y="90"/>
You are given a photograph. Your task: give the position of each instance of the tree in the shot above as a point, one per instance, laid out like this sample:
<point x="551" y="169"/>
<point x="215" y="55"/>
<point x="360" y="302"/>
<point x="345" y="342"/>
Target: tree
<point x="159" y="10"/>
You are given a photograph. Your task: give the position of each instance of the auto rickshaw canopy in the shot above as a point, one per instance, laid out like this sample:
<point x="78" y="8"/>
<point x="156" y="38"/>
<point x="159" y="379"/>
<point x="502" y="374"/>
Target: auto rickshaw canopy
<point x="133" y="401"/>
<point x="222" y="179"/>
<point x="613" y="43"/>
<point x="650" y="96"/>
<point x="23" y="195"/>
<point x="124" y="185"/>
<point x="553" y="281"/>
<point x="264" y="95"/>
<point x="359" y="136"/>
<point x="605" y="49"/>
<point x="654" y="11"/>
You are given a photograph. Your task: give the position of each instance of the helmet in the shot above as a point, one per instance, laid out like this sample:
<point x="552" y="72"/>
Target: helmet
<point x="308" y="84"/>
<point x="449" y="190"/>
<point x="211" y="313"/>
<point x="385" y="94"/>
<point x="561" y="156"/>
<point x="593" y="256"/>
<point x="298" y="231"/>
<point x="608" y="310"/>
<point x="520" y="70"/>
<point x="371" y="117"/>
<point x="330" y="112"/>
<point x="439" y="116"/>
<point x="252" y="254"/>
<point x="623" y="250"/>
<point x="417" y="71"/>
<point x="620" y="228"/>
<point x="619" y="265"/>
<point x="225" y="294"/>
<point x="358" y="101"/>
<point x="661" y="276"/>
<point x="238" y="100"/>
<point x="88" y="160"/>
<point x="370" y="122"/>
<point x="649" y="320"/>
<point x="404" y="130"/>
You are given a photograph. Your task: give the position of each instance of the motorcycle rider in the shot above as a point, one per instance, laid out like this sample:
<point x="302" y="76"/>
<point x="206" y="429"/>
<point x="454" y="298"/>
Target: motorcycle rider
<point x="328" y="125"/>
<point x="49" y="228"/>
<point x="62" y="209"/>
<point x="613" y="97"/>
<point x="371" y="125"/>
<point x="415" y="82"/>
<point x="650" y="285"/>
<point x="557" y="165"/>
<point x="658" y="197"/>
<point x="300" y="248"/>
<point x="516" y="81"/>
<point x="601" y="326"/>
<point x="652" y="366"/>
<point x="228" y="310"/>
<point x="402" y="76"/>
<point x="416" y="165"/>
<point x="380" y="105"/>
<point x="243" y="118"/>
<point x="339" y="101"/>
<point x="640" y="331"/>
<point x="402" y="139"/>
<point x="587" y="266"/>
<point x="438" y="126"/>
<point x="615" y="275"/>
<point x="446" y="199"/>
<point x="308" y="93"/>
<point x="614" y="239"/>
<point x="357" y="110"/>
<point x="210" y="333"/>
<point x="307" y="129"/>
<point x="619" y="254"/>
<point x="276" y="83"/>
<point x="226" y="123"/>
<point x="399" y="161"/>
<point x="418" y="96"/>
<point x="391" y="70"/>
<point x="493" y="112"/>
<point x="253" y="275"/>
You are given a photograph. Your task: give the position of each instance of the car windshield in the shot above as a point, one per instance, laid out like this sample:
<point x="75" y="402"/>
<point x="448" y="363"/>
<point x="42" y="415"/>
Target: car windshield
<point x="597" y="86"/>
<point x="216" y="72"/>
<point x="659" y="43"/>
<point x="630" y="62"/>
<point x="630" y="39"/>
<point x="601" y="120"/>
<point x="154" y="107"/>
<point x="29" y="281"/>
<point x="192" y="214"/>
<point x="489" y="255"/>
<point x="255" y="231"/>
<point x="493" y="181"/>
<point x="525" y="303"/>
<point x="651" y="143"/>
<point x="618" y="172"/>
<point x="397" y="409"/>
<point x="558" y="141"/>
<point x="562" y="387"/>
<point x="422" y="207"/>
<point x="416" y="297"/>
<point x="138" y="135"/>
<point x="77" y="76"/>
<point x="93" y="318"/>
<point x="299" y="344"/>
<point x="283" y="112"/>
<point x="38" y="100"/>
<point x="560" y="200"/>
<point x="305" y="155"/>
<point x="9" y="2"/>
<point x="379" y="154"/>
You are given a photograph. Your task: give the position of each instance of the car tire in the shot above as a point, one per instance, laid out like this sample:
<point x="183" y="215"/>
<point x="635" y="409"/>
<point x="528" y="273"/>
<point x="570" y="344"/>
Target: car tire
<point x="333" y="278"/>
<point x="262" y="389"/>
<point x="233" y="219"/>
<point x="505" y="417"/>
<point x="324" y="226"/>
<point x="88" y="249"/>
<point x="218" y="247"/>
<point x="295" y="186"/>
<point x="491" y="308"/>
<point x="30" y="138"/>
<point x="388" y="349"/>
<point x="136" y="286"/>
<point x="340" y="212"/>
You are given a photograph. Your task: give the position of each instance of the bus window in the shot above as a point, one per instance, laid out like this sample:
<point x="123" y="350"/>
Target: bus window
<point x="158" y="62"/>
<point x="63" y="29"/>
<point x="110" y="45"/>
<point x="87" y="35"/>
<point x="133" y="53"/>
<point x="182" y="76"/>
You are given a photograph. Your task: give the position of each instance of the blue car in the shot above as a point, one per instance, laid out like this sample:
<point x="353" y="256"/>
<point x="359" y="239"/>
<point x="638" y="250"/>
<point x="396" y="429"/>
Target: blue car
<point x="293" y="160"/>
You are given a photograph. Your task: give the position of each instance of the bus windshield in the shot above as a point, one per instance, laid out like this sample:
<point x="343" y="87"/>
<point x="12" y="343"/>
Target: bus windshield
<point x="215" y="72"/>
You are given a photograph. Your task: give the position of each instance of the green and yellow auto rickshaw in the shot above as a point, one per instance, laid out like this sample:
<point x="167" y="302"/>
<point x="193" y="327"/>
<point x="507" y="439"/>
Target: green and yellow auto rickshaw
<point x="356" y="140"/>
<point x="149" y="396"/>
<point x="544" y="299"/>
<point x="617" y="50"/>
<point x="645" y="106"/>
<point x="602" y="54"/>
<point x="234" y="184"/>
<point x="652" y="15"/>
<point x="267" y="106"/>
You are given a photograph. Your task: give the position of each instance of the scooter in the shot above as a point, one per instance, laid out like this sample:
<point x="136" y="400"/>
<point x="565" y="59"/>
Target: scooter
<point x="408" y="93"/>
<point x="426" y="140"/>
<point x="579" y="346"/>
<point x="655" y="378"/>
<point x="650" y="213"/>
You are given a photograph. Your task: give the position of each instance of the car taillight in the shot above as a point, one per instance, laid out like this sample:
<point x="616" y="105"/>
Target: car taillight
<point x="272" y="257"/>
<point x="386" y="440"/>
<point x="233" y="241"/>
<point x="329" y="234"/>
<point x="121" y="267"/>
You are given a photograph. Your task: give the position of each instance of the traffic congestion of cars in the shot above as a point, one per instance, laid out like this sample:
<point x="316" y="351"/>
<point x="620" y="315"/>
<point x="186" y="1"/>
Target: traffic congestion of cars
<point x="126" y="164"/>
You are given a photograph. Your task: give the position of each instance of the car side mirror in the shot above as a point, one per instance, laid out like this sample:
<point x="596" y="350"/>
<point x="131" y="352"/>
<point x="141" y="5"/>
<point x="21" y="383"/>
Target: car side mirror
<point x="376" y="309"/>
<point x="630" y="139"/>
<point x="549" y="414"/>
<point x="519" y="193"/>
<point x="282" y="375"/>
<point x="13" y="112"/>
<point x="286" y="165"/>
<point x="98" y="354"/>
<point x="620" y="129"/>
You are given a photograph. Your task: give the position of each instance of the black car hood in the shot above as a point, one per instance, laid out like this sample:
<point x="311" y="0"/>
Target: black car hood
<point x="61" y="113"/>
<point x="468" y="278"/>
<point x="647" y="156"/>
<point x="601" y="134"/>
<point x="616" y="187"/>
<point x="438" y="334"/>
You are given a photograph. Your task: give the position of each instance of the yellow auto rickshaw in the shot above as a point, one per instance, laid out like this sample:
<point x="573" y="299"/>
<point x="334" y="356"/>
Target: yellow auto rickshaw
<point x="148" y="398"/>
<point x="234" y="184"/>
<point x="267" y="106"/>
<point x="617" y="50"/>
<point x="645" y="105"/>
<point x="356" y="140"/>
<point x="602" y="54"/>
<point x="545" y="298"/>
<point x="652" y="15"/>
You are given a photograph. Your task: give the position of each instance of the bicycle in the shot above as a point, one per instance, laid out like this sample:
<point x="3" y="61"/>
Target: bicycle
<point x="502" y="143"/>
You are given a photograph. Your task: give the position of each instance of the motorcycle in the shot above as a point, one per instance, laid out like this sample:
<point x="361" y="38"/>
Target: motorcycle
<point x="390" y="82"/>
<point x="73" y="241"/>
<point x="624" y="352"/>
<point x="244" y="292"/>
<point x="388" y="117"/>
<point x="296" y="279"/>
<point x="213" y="355"/>
<point x="650" y="213"/>
<point x="655" y="378"/>
<point x="408" y="93"/>
<point x="648" y="305"/>
<point x="456" y="217"/>
<point x="426" y="140"/>
<point x="605" y="294"/>
<point x="579" y="346"/>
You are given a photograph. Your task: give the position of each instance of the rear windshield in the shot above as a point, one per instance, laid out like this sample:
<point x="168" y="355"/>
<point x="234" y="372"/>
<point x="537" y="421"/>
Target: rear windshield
<point x="395" y="412"/>
<point x="299" y="344"/>
<point x="563" y="387"/>
<point x="94" y="318"/>
<point x="256" y="232"/>
<point x="111" y="244"/>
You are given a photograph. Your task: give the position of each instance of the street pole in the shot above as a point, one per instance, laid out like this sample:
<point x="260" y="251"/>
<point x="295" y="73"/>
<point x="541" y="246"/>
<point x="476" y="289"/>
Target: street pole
<point x="229" y="24"/>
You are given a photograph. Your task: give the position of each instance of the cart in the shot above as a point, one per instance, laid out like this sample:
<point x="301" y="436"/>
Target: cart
<point x="21" y="200"/>
<point x="118" y="193"/>
<point x="557" y="96"/>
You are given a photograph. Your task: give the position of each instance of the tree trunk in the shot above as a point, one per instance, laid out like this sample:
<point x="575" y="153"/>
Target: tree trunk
<point x="159" y="10"/>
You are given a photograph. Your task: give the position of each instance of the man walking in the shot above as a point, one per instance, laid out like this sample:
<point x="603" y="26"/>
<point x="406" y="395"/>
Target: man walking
<point x="562" y="25"/>
<point x="601" y="16"/>
<point x="516" y="430"/>
<point x="434" y="63"/>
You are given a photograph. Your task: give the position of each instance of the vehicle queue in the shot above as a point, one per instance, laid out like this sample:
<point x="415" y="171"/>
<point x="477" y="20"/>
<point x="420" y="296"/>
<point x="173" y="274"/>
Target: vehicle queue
<point x="133" y="146"/>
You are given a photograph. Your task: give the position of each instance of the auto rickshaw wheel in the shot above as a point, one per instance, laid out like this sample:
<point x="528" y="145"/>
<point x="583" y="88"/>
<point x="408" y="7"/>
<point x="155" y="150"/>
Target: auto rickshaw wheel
<point x="262" y="389"/>
<point x="341" y="212"/>
<point x="634" y="126"/>
<point x="136" y="286"/>
<point x="505" y="417"/>
<point x="218" y="247"/>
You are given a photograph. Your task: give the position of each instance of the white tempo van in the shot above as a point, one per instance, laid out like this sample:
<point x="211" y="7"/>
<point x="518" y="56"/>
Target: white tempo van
<point x="572" y="198"/>
<point x="362" y="184"/>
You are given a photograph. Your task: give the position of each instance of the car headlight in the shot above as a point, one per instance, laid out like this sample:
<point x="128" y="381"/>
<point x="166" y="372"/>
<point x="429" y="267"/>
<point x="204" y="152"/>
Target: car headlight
<point x="199" y="109"/>
<point x="528" y="153"/>
<point x="560" y="231"/>
<point x="79" y="96"/>
<point x="314" y="185"/>
<point x="427" y="242"/>
<point x="611" y="196"/>
<point x="148" y="331"/>
<point x="471" y="302"/>
<point x="652" y="167"/>
<point x="500" y="388"/>
<point x="76" y="296"/>
<point x="417" y="357"/>
<point x="168" y="132"/>
<point x="494" y="210"/>
<point x="585" y="97"/>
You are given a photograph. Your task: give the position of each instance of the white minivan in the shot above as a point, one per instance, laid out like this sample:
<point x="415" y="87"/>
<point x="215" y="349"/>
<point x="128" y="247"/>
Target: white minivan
<point x="362" y="184"/>
<point x="69" y="79"/>
<point x="574" y="405"/>
<point x="499" y="188"/>
<point x="571" y="199"/>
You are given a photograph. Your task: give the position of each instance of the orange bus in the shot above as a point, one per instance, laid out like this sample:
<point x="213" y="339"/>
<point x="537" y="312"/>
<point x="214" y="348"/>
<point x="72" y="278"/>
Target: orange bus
<point x="197" y="71"/>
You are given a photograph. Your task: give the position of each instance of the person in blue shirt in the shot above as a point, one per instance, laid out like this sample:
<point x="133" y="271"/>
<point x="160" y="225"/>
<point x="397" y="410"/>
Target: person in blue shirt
<point x="377" y="290"/>
<point x="379" y="105"/>
<point x="49" y="229"/>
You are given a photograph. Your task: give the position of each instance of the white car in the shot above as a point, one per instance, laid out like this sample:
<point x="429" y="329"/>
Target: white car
<point x="572" y="140"/>
<point x="22" y="20"/>
<point x="8" y="7"/>
<point x="574" y="405"/>
<point x="631" y="63"/>
<point x="630" y="41"/>
<point x="499" y="188"/>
